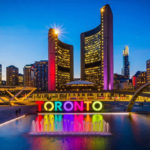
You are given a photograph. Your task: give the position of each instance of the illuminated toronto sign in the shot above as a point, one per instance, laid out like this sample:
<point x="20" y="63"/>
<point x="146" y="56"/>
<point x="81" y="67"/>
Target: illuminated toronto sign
<point x="69" y="106"/>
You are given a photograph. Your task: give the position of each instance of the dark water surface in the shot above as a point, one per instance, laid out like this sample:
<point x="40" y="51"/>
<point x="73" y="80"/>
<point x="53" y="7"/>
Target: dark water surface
<point x="128" y="132"/>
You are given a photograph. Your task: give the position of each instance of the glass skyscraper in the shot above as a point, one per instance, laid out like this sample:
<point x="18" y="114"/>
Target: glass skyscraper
<point x="12" y="75"/>
<point x="97" y="52"/>
<point x="29" y="77"/>
<point x="41" y="75"/>
<point x="60" y="62"/>
<point x="126" y="64"/>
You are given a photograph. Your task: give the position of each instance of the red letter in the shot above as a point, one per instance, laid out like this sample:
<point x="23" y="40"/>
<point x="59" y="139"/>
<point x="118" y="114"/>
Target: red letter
<point x="39" y="105"/>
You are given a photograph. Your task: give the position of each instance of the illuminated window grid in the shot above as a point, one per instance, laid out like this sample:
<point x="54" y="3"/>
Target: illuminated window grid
<point x="63" y="78"/>
<point x="93" y="74"/>
<point x="63" y="60"/>
<point x="92" y="48"/>
<point x="63" y="56"/>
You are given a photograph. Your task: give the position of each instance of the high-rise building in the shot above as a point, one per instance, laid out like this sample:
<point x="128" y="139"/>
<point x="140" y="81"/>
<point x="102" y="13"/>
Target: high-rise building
<point x="148" y="70"/>
<point x="97" y="52"/>
<point x="139" y="79"/>
<point x="12" y="75"/>
<point x="0" y="74"/>
<point x="60" y="62"/>
<point x="41" y="75"/>
<point x="29" y="75"/>
<point x="20" y="79"/>
<point x="126" y="64"/>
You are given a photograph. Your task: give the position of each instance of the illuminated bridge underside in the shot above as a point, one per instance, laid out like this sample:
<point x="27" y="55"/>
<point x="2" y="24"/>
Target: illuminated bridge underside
<point x="131" y="104"/>
<point x="14" y="98"/>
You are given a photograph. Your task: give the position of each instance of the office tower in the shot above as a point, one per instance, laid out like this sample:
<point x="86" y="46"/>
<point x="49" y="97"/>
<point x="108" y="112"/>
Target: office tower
<point x="148" y="70"/>
<point x="29" y="76"/>
<point x="60" y="62"/>
<point x="97" y="52"/>
<point x="126" y="64"/>
<point x="41" y="75"/>
<point x="12" y="75"/>
<point x="20" y="79"/>
<point x="139" y="79"/>
<point x="0" y="74"/>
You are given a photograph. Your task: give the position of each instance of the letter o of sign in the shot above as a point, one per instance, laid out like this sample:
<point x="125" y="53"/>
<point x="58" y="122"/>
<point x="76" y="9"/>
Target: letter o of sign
<point x="100" y="106"/>
<point x="66" y="106"/>
<point x="49" y="103"/>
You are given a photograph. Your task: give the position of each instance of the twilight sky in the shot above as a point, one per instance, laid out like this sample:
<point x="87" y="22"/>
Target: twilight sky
<point x="24" y="28"/>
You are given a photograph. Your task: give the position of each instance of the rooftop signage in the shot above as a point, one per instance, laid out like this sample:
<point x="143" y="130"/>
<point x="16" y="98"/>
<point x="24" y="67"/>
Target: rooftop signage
<point x="69" y="106"/>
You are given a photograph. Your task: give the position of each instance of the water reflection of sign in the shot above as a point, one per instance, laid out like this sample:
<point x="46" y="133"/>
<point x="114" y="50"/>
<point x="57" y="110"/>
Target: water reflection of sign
<point x="69" y="123"/>
<point x="69" y="106"/>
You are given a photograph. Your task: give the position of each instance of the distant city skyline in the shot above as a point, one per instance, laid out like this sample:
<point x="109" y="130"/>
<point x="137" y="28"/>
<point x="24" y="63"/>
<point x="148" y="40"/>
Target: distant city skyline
<point x="24" y="30"/>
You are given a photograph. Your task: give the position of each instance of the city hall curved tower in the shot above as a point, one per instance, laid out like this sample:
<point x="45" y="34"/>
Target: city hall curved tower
<point x="60" y="62"/>
<point x="97" y="52"/>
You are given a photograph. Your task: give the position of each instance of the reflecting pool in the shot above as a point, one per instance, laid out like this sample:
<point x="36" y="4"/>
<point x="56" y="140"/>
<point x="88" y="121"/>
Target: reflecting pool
<point x="128" y="132"/>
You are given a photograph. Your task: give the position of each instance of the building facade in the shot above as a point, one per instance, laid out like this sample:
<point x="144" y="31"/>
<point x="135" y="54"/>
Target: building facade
<point x="60" y="62"/>
<point x="126" y="64"/>
<point x="0" y="74"/>
<point x="90" y="56"/>
<point x="20" y="79"/>
<point x="139" y="79"/>
<point x="97" y="52"/>
<point x="12" y="75"/>
<point x="122" y="83"/>
<point x="41" y="75"/>
<point x="29" y="76"/>
<point x="148" y="71"/>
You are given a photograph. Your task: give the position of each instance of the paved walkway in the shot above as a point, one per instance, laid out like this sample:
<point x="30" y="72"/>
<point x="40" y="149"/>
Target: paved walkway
<point x="11" y="112"/>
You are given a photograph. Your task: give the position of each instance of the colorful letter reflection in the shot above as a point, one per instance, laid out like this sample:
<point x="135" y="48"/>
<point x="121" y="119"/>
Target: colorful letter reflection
<point x="53" y="124"/>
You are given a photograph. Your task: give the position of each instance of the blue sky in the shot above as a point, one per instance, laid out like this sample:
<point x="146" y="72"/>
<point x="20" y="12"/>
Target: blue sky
<point x="24" y="28"/>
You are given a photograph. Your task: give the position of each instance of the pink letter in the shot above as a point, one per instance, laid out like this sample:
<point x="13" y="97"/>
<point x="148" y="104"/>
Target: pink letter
<point x="78" y="106"/>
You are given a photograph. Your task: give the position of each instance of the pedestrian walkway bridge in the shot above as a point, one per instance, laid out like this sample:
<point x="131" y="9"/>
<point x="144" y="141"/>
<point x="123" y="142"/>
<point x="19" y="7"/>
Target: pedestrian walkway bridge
<point x="15" y="94"/>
